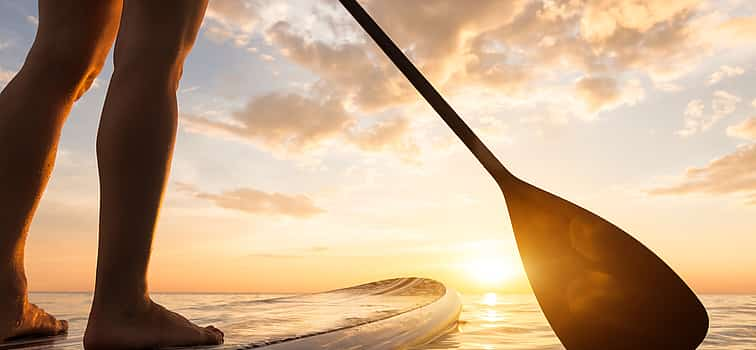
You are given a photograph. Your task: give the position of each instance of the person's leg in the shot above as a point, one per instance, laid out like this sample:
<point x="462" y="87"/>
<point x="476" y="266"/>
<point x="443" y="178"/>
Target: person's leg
<point x="134" y="149"/>
<point x="72" y="42"/>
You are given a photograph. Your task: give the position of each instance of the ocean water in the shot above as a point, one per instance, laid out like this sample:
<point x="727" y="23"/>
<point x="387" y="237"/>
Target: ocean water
<point x="488" y="321"/>
<point x="514" y="322"/>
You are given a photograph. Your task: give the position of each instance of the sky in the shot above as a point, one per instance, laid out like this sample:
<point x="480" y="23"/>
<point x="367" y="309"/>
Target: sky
<point x="306" y="162"/>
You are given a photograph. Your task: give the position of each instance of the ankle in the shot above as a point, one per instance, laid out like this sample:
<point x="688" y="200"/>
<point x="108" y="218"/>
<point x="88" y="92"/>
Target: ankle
<point x="119" y="304"/>
<point x="12" y="282"/>
<point x="13" y="299"/>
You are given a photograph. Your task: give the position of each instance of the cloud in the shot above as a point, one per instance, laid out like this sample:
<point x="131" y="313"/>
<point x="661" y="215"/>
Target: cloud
<point x="605" y="93"/>
<point x="734" y="173"/>
<point x="753" y="103"/>
<point x="723" y="104"/>
<point x="668" y="87"/>
<point x="658" y="38"/>
<point x="487" y="67"/>
<point x="295" y="124"/>
<point x="291" y="253"/>
<point x="233" y="21"/>
<point x="32" y="20"/>
<point x="654" y="36"/>
<point x="241" y="14"/>
<point x="602" y="20"/>
<point x="189" y="89"/>
<point x="744" y="130"/>
<point x="739" y="29"/>
<point x="725" y="72"/>
<point x="597" y="91"/>
<point x="501" y="47"/>
<point x="347" y="68"/>
<point x="278" y="121"/>
<point x="222" y="35"/>
<point x="6" y="76"/>
<point x="254" y="201"/>
<point x="441" y="33"/>
<point x="386" y="134"/>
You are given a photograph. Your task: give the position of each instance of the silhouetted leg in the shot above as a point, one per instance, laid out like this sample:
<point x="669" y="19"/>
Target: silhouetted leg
<point x="71" y="45"/>
<point x="134" y="150"/>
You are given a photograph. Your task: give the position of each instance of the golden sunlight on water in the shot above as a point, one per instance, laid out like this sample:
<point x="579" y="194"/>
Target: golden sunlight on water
<point x="489" y="299"/>
<point x="491" y="314"/>
<point x="488" y="321"/>
<point x="515" y="322"/>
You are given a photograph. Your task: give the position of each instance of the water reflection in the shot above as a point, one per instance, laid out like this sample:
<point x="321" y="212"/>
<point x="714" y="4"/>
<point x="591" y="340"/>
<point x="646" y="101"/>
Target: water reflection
<point x="488" y="321"/>
<point x="515" y="322"/>
<point x="489" y="299"/>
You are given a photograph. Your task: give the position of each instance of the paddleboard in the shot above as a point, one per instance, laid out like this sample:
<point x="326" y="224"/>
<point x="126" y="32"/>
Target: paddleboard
<point x="389" y="314"/>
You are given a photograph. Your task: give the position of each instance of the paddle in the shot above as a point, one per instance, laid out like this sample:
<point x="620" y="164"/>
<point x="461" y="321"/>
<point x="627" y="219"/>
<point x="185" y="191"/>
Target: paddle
<point x="598" y="287"/>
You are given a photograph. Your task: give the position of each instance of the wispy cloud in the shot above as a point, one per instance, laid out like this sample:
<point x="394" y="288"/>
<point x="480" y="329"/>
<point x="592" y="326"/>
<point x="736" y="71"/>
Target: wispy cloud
<point x="282" y="122"/>
<point x="6" y="76"/>
<point x="232" y="21"/>
<point x="725" y="72"/>
<point x="734" y="173"/>
<point x="290" y="123"/>
<point x="254" y="201"/>
<point x="33" y="20"/>
<point x="605" y="93"/>
<point x="697" y="120"/>
<point x="739" y="29"/>
<point x="267" y="58"/>
<point x="290" y="254"/>
<point x="668" y="86"/>
<point x="745" y="130"/>
<point x="348" y="69"/>
<point x="189" y="89"/>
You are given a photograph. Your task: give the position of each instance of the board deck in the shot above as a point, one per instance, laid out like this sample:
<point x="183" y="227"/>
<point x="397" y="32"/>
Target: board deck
<point x="387" y="314"/>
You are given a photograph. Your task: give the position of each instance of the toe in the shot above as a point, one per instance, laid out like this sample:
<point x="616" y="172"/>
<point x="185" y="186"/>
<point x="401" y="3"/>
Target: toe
<point x="62" y="327"/>
<point x="216" y="329"/>
<point x="38" y="323"/>
<point x="214" y="335"/>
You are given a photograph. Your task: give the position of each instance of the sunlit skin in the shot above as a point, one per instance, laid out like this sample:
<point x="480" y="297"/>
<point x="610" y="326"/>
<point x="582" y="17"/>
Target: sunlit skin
<point x="134" y="150"/>
<point x="604" y="165"/>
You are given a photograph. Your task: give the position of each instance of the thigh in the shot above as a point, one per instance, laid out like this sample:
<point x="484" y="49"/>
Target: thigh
<point x="158" y="32"/>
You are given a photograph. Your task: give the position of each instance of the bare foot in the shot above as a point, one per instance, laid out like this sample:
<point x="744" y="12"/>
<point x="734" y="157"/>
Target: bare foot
<point x="21" y="319"/>
<point x="153" y="327"/>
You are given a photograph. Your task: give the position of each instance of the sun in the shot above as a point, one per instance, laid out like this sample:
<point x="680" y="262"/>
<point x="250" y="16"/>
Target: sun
<point x="489" y="271"/>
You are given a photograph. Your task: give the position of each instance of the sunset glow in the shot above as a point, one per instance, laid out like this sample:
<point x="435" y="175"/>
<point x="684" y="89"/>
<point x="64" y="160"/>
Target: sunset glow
<point x="489" y="299"/>
<point x="304" y="161"/>
<point x="490" y="272"/>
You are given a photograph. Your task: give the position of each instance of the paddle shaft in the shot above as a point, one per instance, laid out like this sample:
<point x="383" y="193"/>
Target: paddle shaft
<point x="426" y="89"/>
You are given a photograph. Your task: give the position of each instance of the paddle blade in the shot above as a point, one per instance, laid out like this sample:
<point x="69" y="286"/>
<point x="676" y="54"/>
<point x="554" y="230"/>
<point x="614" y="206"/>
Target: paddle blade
<point x="599" y="287"/>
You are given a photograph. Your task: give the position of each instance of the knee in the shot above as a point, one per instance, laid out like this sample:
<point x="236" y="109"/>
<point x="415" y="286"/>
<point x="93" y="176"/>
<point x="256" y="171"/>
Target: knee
<point x="70" y="66"/>
<point x="159" y="66"/>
